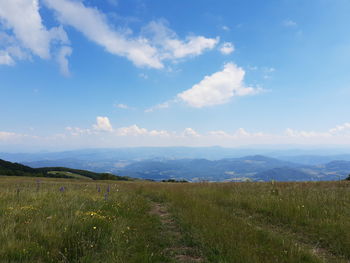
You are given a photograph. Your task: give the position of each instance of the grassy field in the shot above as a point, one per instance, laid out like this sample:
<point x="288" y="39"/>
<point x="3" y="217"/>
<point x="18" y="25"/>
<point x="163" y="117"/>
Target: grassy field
<point x="62" y="220"/>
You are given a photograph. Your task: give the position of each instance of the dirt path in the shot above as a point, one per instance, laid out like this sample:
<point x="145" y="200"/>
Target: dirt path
<point x="177" y="250"/>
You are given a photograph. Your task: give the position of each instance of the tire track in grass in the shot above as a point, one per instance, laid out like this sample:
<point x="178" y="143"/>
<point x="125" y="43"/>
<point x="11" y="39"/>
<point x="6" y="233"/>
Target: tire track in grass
<point x="259" y="222"/>
<point x="177" y="249"/>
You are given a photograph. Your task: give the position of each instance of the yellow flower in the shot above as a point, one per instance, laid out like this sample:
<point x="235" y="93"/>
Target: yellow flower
<point x="94" y="227"/>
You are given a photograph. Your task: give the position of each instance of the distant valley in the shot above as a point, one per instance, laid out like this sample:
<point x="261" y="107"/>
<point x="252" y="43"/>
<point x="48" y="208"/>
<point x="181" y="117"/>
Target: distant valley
<point x="196" y="164"/>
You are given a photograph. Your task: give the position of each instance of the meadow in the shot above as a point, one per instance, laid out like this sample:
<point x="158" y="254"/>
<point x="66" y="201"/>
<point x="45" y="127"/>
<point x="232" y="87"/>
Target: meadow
<point x="75" y="220"/>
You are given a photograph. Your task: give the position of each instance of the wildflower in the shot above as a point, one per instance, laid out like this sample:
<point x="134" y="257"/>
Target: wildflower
<point x="94" y="228"/>
<point x="62" y="189"/>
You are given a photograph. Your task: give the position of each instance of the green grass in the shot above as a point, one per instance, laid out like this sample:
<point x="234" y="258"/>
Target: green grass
<point x="224" y="222"/>
<point x="69" y="174"/>
<point x="77" y="225"/>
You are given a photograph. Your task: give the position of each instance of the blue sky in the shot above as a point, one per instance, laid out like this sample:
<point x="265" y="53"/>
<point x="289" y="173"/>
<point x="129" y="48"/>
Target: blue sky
<point x="78" y="74"/>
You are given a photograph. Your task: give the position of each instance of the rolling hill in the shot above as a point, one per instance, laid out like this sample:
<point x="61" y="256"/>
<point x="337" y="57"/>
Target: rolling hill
<point x="16" y="169"/>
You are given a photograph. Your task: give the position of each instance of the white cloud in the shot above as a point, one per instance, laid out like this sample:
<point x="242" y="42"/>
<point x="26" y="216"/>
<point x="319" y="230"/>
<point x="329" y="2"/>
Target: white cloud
<point x="93" y="24"/>
<point x="135" y="130"/>
<point x="218" y="88"/>
<point x="135" y="135"/>
<point x="171" y="47"/>
<point x="143" y="51"/>
<point x="160" y="106"/>
<point x="23" y="18"/>
<point x="6" y="59"/>
<point x="240" y="133"/>
<point x="225" y="28"/>
<point x="219" y="134"/>
<point x="189" y="132"/>
<point x="338" y="131"/>
<point x="11" y="49"/>
<point x="340" y="128"/>
<point x="76" y="131"/>
<point x="62" y="59"/>
<point x="12" y="137"/>
<point x="7" y="135"/>
<point x="151" y="48"/>
<point x="227" y="48"/>
<point x="28" y="35"/>
<point x="289" y="23"/>
<point x="306" y="134"/>
<point x="103" y="124"/>
<point x="162" y="133"/>
<point x="123" y="106"/>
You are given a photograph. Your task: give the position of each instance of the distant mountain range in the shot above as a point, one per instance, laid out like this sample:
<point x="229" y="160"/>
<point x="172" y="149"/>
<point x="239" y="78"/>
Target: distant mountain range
<point x="249" y="168"/>
<point x="198" y="164"/>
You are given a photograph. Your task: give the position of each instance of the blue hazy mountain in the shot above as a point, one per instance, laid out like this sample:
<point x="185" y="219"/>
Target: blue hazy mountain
<point x="316" y="156"/>
<point x="201" y="163"/>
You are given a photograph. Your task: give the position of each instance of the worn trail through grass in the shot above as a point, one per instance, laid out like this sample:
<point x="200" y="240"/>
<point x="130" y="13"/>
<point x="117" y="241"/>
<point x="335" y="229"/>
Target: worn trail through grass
<point x="177" y="250"/>
<point x="304" y="222"/>
<point x="260" y="222"/>
<point x="56" y="220"/>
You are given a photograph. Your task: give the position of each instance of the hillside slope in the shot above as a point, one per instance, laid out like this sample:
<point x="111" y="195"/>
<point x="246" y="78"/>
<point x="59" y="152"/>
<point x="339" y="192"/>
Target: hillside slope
<point x="16" y="169"/>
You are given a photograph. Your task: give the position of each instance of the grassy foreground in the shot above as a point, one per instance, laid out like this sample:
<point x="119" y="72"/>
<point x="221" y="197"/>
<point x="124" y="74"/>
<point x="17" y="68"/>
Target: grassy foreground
<point x="59" y="220"/>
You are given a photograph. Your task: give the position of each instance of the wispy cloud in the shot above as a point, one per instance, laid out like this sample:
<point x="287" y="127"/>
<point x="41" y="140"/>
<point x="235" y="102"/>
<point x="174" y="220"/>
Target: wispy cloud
<point x="123" y="106"/>
<point x="143" y="76"/>
<point x="225" y="28"/>
<point x="103" y="134"/>
<point x="289" y="23"/>
<point x="6" y="59"/>
<point x="160" y="106"/>
<point x="62" y="59"/>
<point x="226" y="48"/>
<point x="28" y="33"/>
<point x="155" y="45"/>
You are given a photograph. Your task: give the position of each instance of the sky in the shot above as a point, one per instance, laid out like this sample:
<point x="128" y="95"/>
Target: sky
<point x="124" y="73"/>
